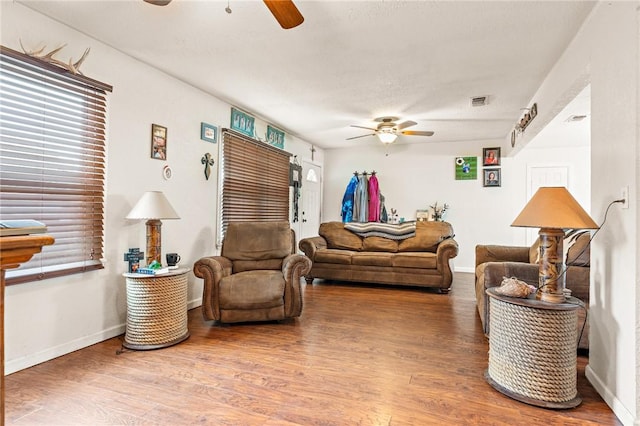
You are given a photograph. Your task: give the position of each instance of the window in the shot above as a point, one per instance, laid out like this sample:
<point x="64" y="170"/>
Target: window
<point x="52" y="159"/>
<point x="255" y="181"/>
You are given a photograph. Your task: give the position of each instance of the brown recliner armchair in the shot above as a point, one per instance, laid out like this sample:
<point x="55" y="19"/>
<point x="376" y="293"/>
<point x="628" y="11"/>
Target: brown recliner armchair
<point x="494" y="262"/>
<point x="257" y="276"/>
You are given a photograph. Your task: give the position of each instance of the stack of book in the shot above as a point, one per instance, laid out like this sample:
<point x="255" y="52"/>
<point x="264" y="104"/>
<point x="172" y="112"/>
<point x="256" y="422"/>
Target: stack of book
<point x="152" y="271"/>
<point x="21" y="227"/>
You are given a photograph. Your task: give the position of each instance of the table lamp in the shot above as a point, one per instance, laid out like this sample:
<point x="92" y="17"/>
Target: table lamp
<point x="553" y="209"/>
<point x="153" y="205"/>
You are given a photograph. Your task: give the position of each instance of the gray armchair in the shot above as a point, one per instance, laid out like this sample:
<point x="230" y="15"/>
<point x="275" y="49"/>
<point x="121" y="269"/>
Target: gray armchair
<point x="257" y="276"/>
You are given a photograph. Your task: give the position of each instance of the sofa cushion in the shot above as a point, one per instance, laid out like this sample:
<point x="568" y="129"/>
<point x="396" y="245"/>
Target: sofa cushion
<point x="422" y="260"/>
<point x="372" y="259"/>
<point x="379" y="244"/>
<point x="579" y="250"/>
<point x="342" y="257"/>
<point x="339" y="238"/>
<point x="428" y="236"/>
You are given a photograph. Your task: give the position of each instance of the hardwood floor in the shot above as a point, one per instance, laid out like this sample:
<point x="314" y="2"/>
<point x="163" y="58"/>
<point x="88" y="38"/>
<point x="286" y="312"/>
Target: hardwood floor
<point x="359" y="355"/>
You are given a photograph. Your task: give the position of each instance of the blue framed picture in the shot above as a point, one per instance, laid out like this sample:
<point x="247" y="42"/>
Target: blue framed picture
<point x="275" y="137"/>
<point x="242" y="122"/>
<point x="208" y="132"/>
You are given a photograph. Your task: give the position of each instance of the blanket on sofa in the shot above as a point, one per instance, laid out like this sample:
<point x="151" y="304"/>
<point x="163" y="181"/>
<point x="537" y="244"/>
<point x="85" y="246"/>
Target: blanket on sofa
<point x="385" y="230"/>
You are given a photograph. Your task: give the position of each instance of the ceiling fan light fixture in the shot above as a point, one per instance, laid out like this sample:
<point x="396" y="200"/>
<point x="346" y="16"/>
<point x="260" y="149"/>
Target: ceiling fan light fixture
<point x="387" y="136"/>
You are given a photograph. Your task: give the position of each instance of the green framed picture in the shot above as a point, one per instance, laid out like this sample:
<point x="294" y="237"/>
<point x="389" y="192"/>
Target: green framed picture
<point x="466" y="168"/>
<point x="242" y="122"/>
<point x="275" y="137"/>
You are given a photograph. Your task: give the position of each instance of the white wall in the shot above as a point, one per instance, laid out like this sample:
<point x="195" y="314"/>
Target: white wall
<point x="52" y="317"/>
<point x="415" y="176"/>
<point x="606" y="53"/>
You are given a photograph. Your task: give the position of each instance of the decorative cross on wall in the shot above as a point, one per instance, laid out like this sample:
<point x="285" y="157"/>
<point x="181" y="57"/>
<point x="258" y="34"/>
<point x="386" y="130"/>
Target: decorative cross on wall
<point x="208" y="162"/>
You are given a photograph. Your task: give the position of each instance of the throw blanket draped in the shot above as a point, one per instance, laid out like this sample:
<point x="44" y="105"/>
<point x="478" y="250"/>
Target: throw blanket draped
<point x="385" y="230"/>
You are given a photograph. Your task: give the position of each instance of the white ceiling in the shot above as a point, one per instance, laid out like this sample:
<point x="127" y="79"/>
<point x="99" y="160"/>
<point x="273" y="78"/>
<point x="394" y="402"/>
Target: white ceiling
<point x="350" y="61"/>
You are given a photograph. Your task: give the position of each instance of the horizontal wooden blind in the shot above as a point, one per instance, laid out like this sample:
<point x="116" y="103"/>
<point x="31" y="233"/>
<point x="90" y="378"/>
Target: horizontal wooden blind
<point x="255" y="186"/>
<point x="52" y="162"/>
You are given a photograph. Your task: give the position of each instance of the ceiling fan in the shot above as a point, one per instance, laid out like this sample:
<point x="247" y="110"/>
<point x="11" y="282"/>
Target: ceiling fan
<point x="388" y="130"/>
<point x="285" y="12"/>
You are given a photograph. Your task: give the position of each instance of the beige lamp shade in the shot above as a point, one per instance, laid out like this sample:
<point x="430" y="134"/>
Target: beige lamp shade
<point x="153" y="205"/>
<point x="554" y="207"/>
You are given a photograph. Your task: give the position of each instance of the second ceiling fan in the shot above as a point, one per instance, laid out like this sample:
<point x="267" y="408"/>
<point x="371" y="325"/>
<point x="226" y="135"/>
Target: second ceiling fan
<point x="285" y="12"/>
<point x="388" y="130"/>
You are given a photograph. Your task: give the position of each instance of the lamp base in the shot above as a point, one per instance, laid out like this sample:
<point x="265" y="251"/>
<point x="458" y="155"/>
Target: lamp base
<point x="552" y="297"/>
<point x="154" y="249"/>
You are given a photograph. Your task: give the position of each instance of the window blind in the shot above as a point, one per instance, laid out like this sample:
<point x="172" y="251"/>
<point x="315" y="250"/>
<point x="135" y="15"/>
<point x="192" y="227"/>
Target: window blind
<point x="255" y="181"/>
<point x="52" y="162"/>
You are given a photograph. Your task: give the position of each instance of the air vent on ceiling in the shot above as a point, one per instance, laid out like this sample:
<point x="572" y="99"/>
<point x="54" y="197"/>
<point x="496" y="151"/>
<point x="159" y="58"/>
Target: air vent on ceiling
<point x="478" y="101"/>
<point x="573" y="118"/>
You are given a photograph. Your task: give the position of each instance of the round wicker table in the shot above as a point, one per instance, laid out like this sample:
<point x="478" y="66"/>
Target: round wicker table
<point x="532" y="350"/>
<point x="156" y="310"/>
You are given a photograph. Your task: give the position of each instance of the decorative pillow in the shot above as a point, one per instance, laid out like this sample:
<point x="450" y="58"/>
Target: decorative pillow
<point x="384" y="230"/>
<point x="339" y="238"/>
<point x="577" y="250"/>
<point x="379" y="244"/>
<point x="534" y="252"/>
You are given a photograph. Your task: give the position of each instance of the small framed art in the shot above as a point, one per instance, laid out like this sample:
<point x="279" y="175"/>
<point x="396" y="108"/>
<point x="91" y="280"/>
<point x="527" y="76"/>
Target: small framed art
<point x="491" y="156"/>
<point x="466" y="168"/>
<point x="275" y="137"/>
<point x="158" y="142"/>
<point x="242" y="122"/>
<point x="208" y="132"/>
<point x="492" y="177"/>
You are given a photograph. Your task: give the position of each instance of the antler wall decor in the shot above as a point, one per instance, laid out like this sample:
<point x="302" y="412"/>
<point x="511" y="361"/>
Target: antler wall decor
<point x="73" y="67"/>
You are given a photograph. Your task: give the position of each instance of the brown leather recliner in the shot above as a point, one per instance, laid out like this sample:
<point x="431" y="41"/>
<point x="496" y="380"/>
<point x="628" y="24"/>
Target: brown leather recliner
<point x="257" y="276"/>
<point x="494" y="262"/>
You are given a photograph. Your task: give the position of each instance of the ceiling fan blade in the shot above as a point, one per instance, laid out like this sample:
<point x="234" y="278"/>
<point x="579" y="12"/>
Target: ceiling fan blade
<point x="406" y="124"/>
<point x="158" y="2"/>
<point x="362" y="127"/>
<point x="363" y="136"/>
<point x="285" y="12"/>
<point x="418" y="133"/>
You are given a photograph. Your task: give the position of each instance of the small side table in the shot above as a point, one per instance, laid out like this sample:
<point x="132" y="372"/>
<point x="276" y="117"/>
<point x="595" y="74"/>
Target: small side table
<point x="533" y="350"/>
<point x="156" y="310"/>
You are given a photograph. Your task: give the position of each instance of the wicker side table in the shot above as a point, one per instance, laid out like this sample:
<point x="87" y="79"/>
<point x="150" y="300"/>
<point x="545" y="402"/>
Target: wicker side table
<point x="533" y="350"/>
<point x="156" y="310"/>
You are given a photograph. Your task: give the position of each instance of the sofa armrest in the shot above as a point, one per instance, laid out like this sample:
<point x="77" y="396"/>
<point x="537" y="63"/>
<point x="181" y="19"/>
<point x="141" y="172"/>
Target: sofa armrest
<point x="495" y="253"/>
<point x="294" y="267"/>
<point x="310" y="245"/>
<point x="212" y="269"/>
<point x="447" y="250"/>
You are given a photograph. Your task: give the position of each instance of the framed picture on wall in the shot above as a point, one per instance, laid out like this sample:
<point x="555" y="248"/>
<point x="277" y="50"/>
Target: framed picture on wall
<point x="158" y="142"/>
<point x="242" y="122"/>
<point x="492" y="177"/>
<point x="208" y="132"/>
<point x="490" y="156"/>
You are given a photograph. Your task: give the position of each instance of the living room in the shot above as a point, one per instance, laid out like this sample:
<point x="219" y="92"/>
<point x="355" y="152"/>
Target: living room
<point x="79" y="310"/>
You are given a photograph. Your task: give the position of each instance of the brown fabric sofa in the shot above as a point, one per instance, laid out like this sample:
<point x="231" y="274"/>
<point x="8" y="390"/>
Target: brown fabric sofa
<point x="494" y="262"/>
<point x="421" y="260"/>
<point x="256" y="278"/>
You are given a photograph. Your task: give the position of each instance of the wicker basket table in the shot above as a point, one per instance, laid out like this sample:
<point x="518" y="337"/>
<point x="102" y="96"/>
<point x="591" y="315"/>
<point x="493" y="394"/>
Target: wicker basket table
<point x="156" y="310"/>
<point x="532" y="350"/>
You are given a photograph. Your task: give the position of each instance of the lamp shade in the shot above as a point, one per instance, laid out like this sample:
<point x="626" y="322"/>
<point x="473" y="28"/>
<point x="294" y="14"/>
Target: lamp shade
<point x="554" y="207"/>
<point x="153" y="205"/>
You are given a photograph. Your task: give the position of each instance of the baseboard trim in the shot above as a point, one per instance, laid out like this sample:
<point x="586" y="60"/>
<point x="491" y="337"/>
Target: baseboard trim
<point x="14" y="365"/>
<point x="612" y="401"/>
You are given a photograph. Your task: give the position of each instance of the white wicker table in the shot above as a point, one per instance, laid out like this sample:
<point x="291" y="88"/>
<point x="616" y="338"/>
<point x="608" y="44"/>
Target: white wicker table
<point x="532" y="350"/>
<point x="156" y="310"/>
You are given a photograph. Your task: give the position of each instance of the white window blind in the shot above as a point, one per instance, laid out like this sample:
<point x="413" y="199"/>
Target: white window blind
<point x="52" y="162"/>
<point x="255" y="181"/>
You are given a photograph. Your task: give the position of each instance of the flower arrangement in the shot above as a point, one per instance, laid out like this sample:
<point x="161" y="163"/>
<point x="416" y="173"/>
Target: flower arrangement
<point x="439" y="211"/>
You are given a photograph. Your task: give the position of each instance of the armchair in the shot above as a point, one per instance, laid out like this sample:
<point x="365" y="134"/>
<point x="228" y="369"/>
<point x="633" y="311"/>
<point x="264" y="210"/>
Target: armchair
<point x="256" y="277"/>
<point x="493" y="262"/>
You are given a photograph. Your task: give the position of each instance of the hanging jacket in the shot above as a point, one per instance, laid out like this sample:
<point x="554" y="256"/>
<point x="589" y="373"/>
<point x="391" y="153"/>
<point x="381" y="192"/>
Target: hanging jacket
<point x="348" y="200"/>
<point x="361" y="200"/>
<point x="384" y="217"/>
<point x="374" y="199"/>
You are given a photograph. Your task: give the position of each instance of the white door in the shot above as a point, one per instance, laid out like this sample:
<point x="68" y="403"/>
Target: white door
<point x="538" y="176"/>
<point x="310" y="199"/>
